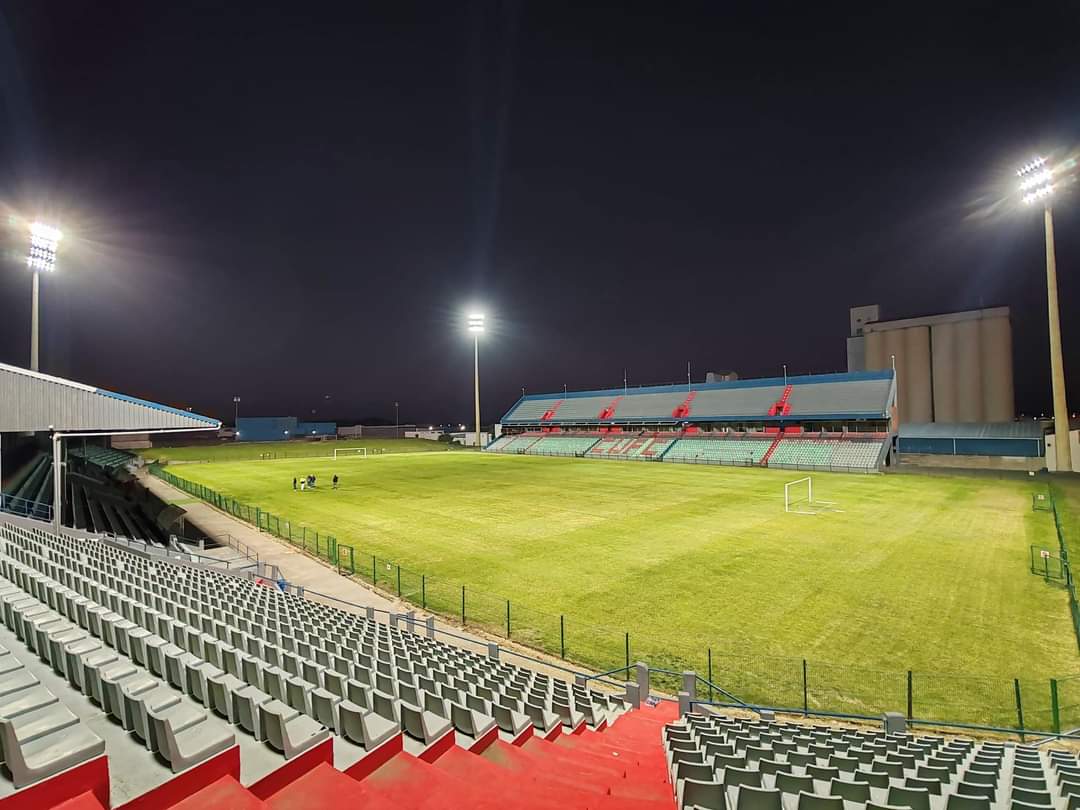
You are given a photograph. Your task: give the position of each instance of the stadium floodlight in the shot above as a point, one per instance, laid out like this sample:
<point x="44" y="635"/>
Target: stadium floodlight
<point x="476" y="326"/>
<point x="1037" y="183"/>
<point x="44" y="240"/>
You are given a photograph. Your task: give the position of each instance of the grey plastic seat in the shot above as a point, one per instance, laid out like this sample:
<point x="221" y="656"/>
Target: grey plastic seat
<point x="704" y="794"/>
<point x="219" y="689"/>
<point x="17" y="681"/>
<point x="1035" y="797"/>
<point x="541" y="718"/>
<point x="245" y="708"/>
<point x="512" y="722"/>
<point x="754" y="798"/>
<point x="469" y="722"/>
<point x="811" y="801"/>
<point x="18" y="703"/>
<point x="190" y="745"/>
<point x="364" y="727"/>
<point x="423" y="725"/>
<point x="737" y="777"/>
<point x="47" y="754"/>
<point x="35" y="723"/>
<point x="850" y="791"/>
<point x="917" y="798"/>
<point x="958" y="801"/>
<point x="790" y="783"/>
<point x="324" y="707"/>
<point x="288" y="731"/>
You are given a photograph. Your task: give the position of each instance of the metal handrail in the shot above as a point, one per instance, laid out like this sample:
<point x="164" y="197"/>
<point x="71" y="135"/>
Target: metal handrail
<point x="609" y="672"/>
<point x="721" y="690"/>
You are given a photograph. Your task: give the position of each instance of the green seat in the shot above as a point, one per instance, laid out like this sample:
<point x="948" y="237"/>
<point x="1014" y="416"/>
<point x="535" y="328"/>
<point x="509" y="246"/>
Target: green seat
<point x="755" y="798"/>
<point x="958" y="801"/>
<point x="790" y="783"/>
<point x="850" y="791"/>
<point x="811" y="801"/>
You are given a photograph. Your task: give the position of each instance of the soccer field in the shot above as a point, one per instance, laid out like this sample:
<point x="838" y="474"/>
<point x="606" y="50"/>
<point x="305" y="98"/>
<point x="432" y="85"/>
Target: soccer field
<point x="920" y="573"/>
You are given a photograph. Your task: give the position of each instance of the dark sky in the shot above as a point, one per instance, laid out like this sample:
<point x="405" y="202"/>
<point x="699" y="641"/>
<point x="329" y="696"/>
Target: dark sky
<point x="300" y="203"/>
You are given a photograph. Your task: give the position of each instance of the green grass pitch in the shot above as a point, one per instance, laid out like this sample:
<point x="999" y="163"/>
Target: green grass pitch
<point x="922" y="573"/>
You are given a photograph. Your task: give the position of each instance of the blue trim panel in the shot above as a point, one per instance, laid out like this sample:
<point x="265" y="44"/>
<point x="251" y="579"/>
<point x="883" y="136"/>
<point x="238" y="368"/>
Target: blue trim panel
<point x="157" y="407"/>
<point x="637" y="420"/>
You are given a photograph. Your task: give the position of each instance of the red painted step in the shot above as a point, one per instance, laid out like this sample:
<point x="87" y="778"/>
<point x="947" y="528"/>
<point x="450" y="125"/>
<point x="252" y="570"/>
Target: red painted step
<point x="84" y="801"/>
<point x="323" y="787"/>
<point x="224" y="794"/>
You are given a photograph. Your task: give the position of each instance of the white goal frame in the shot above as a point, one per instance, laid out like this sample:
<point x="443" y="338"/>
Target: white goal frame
<point x="361" y="451"/>
<point x="808" y="505"/>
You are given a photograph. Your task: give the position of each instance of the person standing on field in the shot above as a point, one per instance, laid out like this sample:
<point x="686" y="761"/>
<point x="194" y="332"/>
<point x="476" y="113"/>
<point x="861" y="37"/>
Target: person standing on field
<point x="335" y="480"/>
<point x="294" y="482"/>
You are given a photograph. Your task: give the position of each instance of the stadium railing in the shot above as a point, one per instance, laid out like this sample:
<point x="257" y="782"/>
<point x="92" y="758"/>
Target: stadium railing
<point x="25" y="507"/>
<point x="1044" y="704"/>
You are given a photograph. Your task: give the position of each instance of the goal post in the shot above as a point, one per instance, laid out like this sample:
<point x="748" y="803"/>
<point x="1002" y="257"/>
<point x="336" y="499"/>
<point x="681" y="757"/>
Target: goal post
<point x="798" y="494"/>
<point x="350" y="451"/>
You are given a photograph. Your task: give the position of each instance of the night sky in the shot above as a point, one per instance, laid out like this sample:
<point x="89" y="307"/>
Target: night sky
<point x="300" y="206"/>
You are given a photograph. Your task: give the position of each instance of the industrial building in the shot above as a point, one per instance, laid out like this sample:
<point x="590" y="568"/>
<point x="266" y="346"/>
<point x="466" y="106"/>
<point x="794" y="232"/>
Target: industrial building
<point x="953" y="368"/>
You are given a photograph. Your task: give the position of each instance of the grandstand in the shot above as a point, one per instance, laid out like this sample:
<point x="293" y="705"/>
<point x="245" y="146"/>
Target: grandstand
<point x="841" y="422"/>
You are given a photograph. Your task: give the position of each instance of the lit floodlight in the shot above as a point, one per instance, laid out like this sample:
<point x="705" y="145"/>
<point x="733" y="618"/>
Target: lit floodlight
<point x="1028" y="168"/>
<point x="1037" y="180"/>
<point x="476" y="322"/>
<point x="44" y="239"/>
<point x="1038" y="194"/>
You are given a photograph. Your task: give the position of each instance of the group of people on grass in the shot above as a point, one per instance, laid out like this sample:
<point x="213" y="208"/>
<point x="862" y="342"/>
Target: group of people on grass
<point x="308" y="482"/>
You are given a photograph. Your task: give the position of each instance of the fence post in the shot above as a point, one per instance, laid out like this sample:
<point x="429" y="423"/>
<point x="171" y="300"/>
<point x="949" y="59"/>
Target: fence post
<point x="910" y="701"/>
<point x="423" y="591"/>
<point x="710" y="675"/>
<point x="258" y="518"/>
<point x="374" y="573"/>
<point x="562" y="637"/>
<point x="508" y="618"/>
<point x="463" y="605"/>
<point x="1019" y="709"/>
<point x="1055" y="710"/>
<point x="303" y="539"/>
<point x="399" y="579"/>
<point x="628" y="651"/>
<point x="805" y="692"/>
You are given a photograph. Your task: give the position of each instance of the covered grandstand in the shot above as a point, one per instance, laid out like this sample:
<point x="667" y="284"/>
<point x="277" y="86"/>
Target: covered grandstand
<point x="54" y="460"/>
<point x="822" y="422"/>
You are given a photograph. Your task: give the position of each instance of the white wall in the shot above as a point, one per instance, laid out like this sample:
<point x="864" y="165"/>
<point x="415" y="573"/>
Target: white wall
<point x="1051" y="451"/>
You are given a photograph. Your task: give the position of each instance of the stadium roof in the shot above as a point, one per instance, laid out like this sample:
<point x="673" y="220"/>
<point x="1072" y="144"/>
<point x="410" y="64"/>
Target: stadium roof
<point x="30" y="401"/>
<point x="858" y="395"/>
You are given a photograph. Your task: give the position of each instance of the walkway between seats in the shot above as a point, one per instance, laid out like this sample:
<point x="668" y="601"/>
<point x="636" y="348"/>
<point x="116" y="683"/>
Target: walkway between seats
<point x="300" y="569"/>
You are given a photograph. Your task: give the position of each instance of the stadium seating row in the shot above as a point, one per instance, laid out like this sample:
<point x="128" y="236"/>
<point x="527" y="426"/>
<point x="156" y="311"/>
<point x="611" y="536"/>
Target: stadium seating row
<point x="800" y="451"/>
<point x="825" y="396"/>
<point x="186" y="658"/>
<point x="719" y="762"/>
<point x="107" y="458"/>
<point x="30" y="493"/>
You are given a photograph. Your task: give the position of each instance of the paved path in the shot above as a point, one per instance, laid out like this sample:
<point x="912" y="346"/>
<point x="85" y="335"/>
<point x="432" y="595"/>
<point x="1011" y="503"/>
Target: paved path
<point x="314" y="575"/>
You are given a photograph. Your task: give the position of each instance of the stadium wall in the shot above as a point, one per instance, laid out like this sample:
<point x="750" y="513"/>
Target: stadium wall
<point x="316" y="428"/>
<point x="265" y="428"/>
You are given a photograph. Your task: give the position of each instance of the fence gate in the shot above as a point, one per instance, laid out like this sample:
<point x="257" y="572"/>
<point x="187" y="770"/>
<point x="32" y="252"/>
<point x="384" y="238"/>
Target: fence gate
<point x="345" y="560"/>
<point x="1046" y="565"/>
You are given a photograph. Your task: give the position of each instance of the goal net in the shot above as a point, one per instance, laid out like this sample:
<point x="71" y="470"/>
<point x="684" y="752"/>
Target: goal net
<point x="340" y="452"/>
<point x="799" y="498"/>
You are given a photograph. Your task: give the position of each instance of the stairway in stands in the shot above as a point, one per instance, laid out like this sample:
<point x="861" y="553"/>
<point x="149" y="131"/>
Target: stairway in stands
<point x="622" y="766"/>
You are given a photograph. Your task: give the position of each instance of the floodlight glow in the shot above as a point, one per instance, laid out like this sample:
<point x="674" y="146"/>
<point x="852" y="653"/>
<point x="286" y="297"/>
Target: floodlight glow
<point x="476" y="322"/>
<point x="1038" y="194"/>
<point x="1045" y="176"/>
<point x="44" y="240"/>
<point x="1030" y="167"/>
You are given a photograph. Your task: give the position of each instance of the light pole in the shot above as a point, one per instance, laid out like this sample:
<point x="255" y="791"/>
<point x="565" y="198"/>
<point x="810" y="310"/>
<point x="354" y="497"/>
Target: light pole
<point x="1037" y="183"/>
<point x="236" y="412"/>
<point x="44" y="239"/>
<point x="476" y="326"/>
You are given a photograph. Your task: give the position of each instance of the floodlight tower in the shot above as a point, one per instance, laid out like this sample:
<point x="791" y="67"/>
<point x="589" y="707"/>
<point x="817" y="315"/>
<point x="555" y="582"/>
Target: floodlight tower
<point x="1037" y="183"/>
<point x="476" y="326"/>
<point x="44" y="239"/>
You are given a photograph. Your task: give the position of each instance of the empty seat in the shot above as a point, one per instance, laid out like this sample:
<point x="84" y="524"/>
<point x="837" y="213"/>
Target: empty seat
<point x="190" y="745"/>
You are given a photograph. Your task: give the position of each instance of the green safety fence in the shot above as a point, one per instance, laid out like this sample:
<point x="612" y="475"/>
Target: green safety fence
<point x="811" y="685"/>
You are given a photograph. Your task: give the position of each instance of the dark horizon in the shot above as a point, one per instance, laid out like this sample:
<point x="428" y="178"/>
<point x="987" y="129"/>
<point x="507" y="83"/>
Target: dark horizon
<point x="301" y="208"/>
